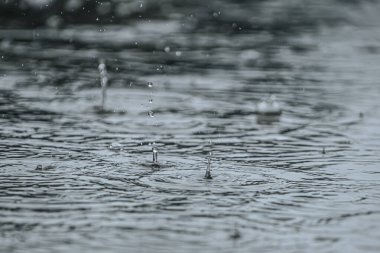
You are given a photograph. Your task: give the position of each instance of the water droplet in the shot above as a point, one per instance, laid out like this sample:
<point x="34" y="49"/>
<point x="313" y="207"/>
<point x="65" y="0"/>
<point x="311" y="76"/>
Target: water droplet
<point x="103" y="80"/>
<point x="208" y="170"/>
<point x="155" y="155"/>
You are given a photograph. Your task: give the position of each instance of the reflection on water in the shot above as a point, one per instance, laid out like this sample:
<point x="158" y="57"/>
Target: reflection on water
<point x="294" y="173"/>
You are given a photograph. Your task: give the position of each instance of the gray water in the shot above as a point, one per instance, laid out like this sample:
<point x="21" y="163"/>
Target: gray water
<point x="74" y="178"/>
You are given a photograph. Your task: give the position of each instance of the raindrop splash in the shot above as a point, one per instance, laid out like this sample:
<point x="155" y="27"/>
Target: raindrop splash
<point x="155" y="155"/>
<point x="103" y="80"/>
<point x="208" y="170"/>
<point x="269" y="106"/>
<point x="268" y="110"/>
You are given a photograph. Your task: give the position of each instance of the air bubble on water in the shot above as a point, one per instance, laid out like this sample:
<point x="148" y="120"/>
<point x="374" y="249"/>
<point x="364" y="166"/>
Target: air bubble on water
<point x="216" y="14"/>
<point x="269" y="106"/>
<point x="115" y="146"/>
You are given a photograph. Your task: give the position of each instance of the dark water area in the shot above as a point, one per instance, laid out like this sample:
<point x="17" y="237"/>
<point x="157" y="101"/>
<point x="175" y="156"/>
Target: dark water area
<point x="189" y="78"/>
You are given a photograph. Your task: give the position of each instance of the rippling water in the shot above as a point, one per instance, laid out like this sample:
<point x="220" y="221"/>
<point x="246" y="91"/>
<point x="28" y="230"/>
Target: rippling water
<point x="305" y="182"/>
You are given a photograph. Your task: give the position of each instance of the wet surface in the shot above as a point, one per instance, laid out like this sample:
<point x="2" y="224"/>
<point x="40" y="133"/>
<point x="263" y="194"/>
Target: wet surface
<point x="74" y="178"/>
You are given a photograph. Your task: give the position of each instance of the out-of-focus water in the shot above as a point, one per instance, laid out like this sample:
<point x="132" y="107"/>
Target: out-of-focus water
<point x="306" y="182"/>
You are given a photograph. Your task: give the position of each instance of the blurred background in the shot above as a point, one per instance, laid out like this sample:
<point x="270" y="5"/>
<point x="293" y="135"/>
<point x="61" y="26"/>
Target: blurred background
<point x="281" y="16"/>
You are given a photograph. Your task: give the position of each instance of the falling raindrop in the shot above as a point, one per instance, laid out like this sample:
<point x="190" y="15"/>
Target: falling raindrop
<point x="150" y="113"/>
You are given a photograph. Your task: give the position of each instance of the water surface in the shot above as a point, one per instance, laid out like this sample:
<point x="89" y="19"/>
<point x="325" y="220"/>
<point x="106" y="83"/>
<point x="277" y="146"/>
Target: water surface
<point x="307" y="181"/>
